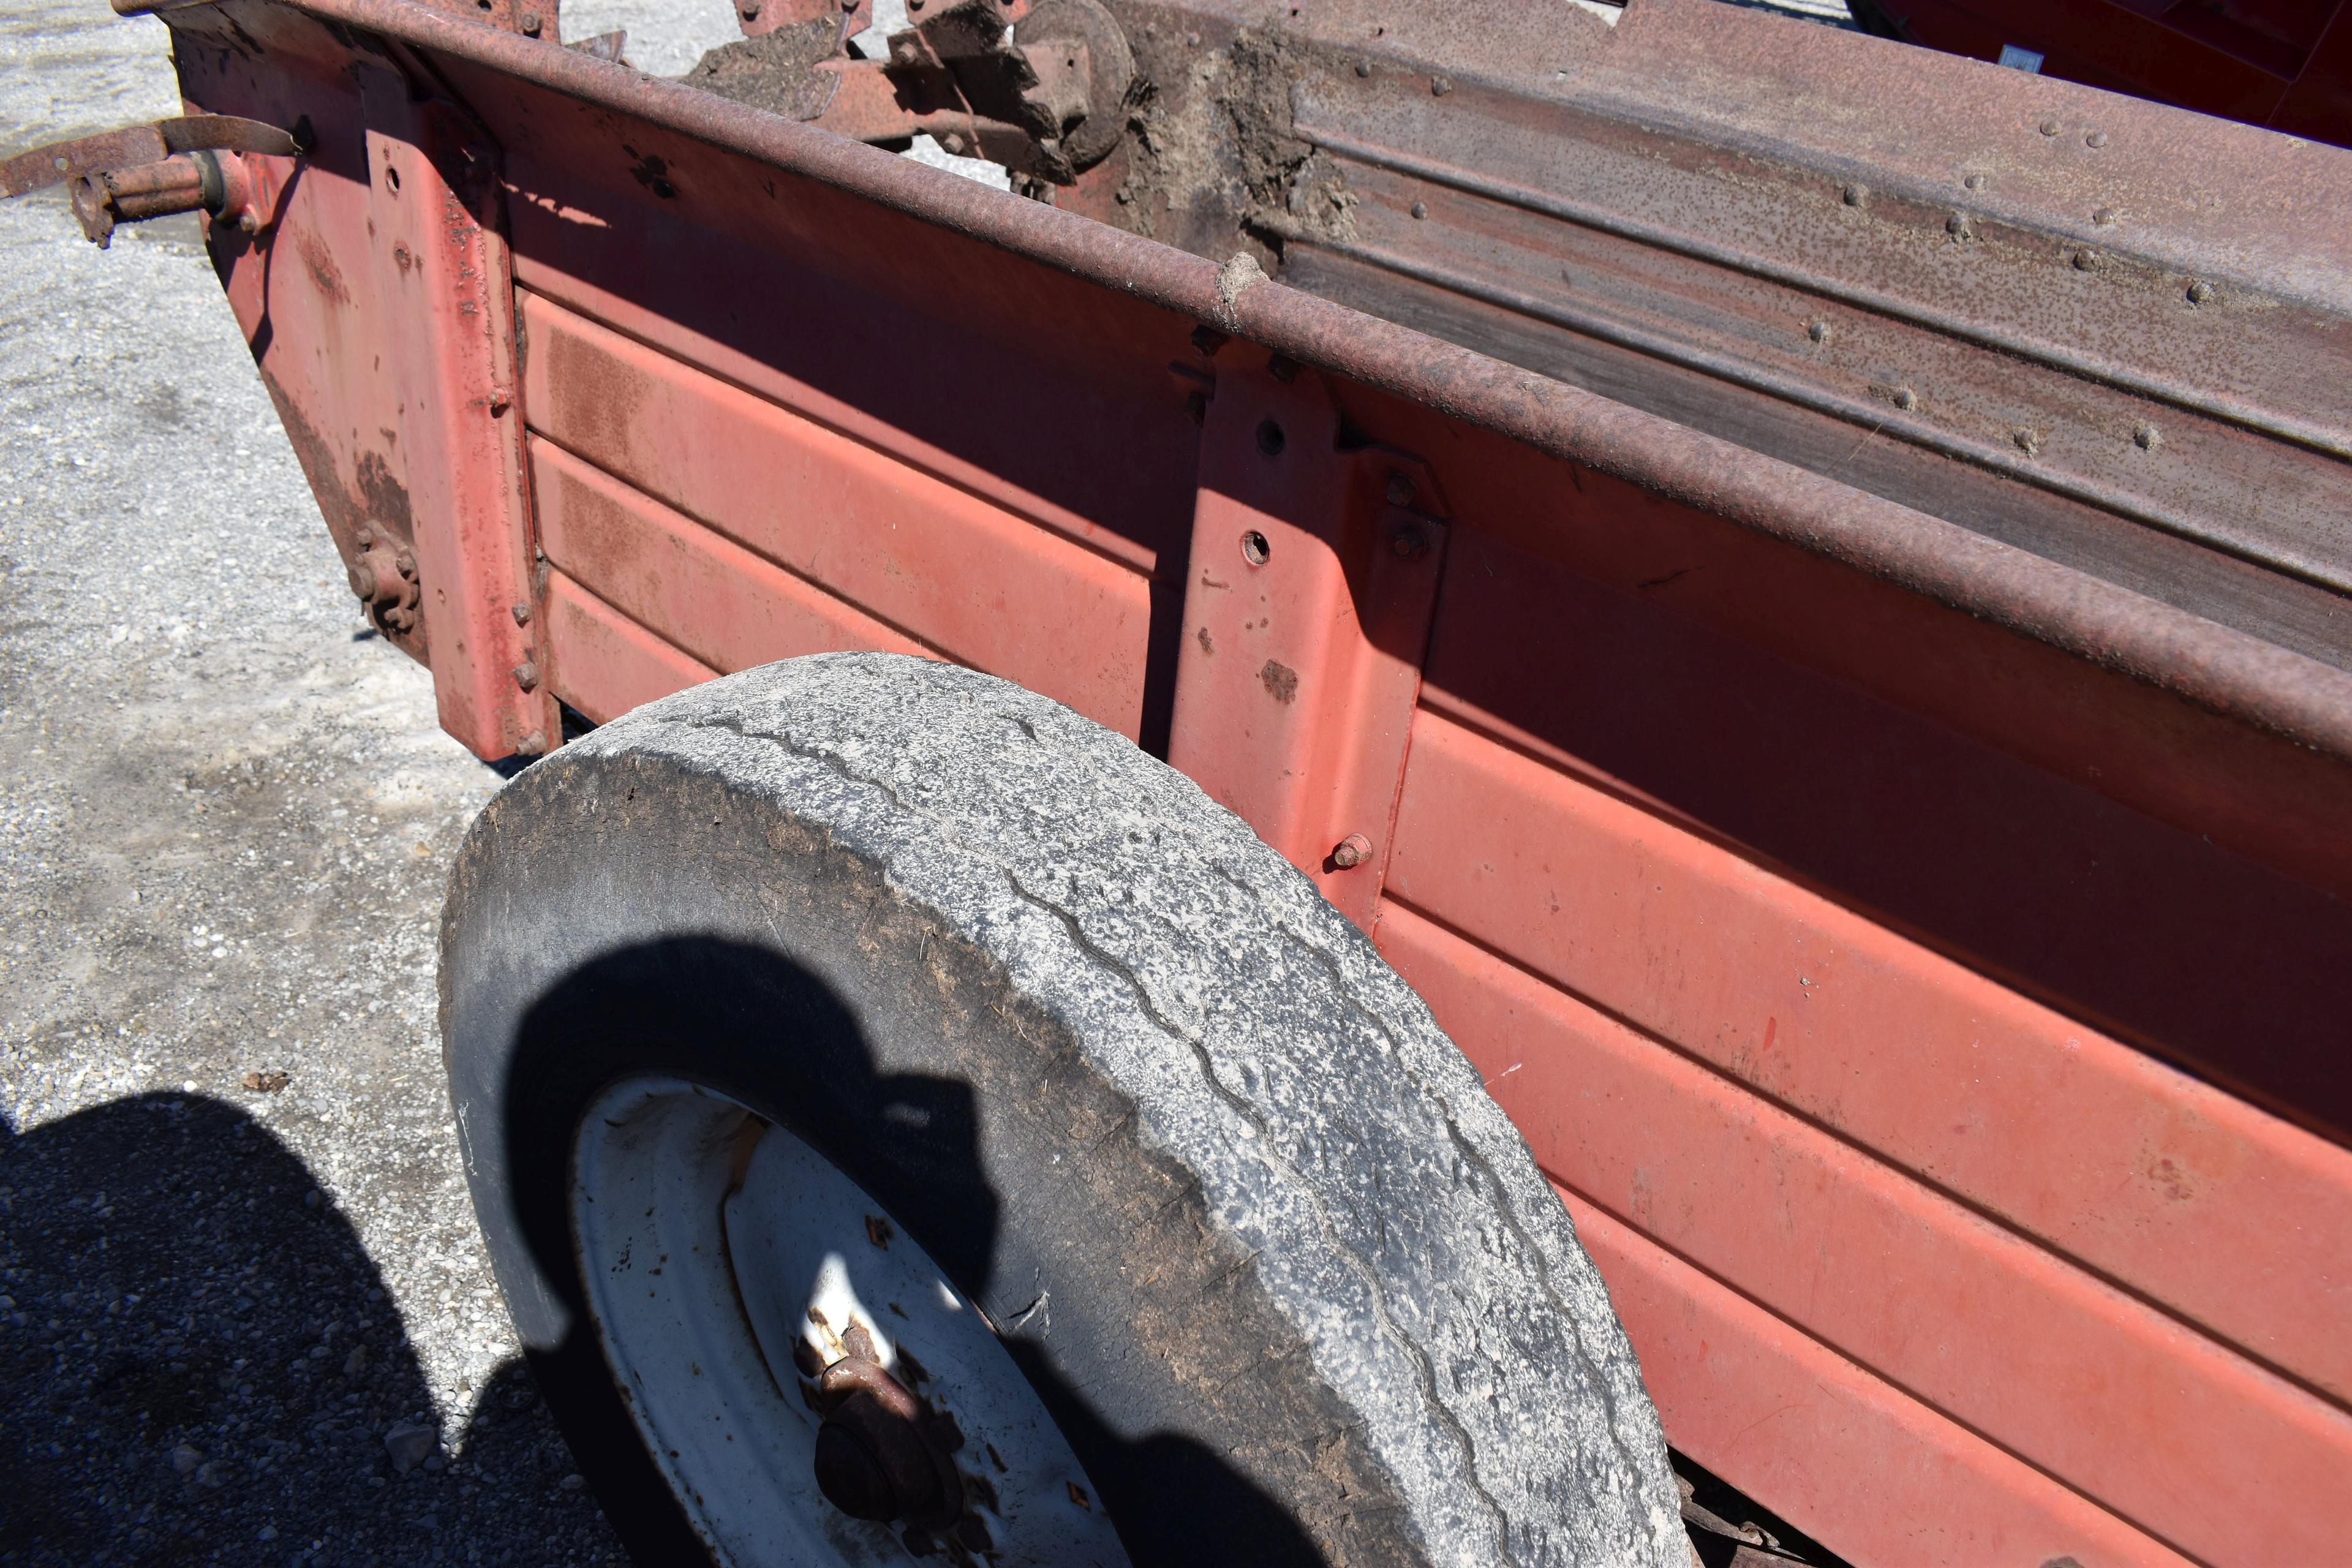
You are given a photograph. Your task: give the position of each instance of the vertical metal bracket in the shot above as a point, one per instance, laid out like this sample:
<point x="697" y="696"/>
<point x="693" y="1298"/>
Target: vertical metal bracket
<point x="441" y="267"/>
<point x="1311" y="585"/>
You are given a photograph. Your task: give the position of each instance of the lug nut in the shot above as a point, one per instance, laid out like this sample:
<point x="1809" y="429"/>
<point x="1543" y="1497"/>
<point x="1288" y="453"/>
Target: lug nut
<point x="873" y="1460"/>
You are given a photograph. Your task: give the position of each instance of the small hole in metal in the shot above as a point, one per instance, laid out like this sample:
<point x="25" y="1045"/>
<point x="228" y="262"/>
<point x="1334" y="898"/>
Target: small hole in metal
<point x="1270" y="438"/>
<point x="391" y="178"/>
<point x="1255" y="548"/>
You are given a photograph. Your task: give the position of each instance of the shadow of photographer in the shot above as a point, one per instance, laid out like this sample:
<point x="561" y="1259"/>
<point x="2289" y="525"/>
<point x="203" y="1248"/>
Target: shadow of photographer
<point x="198" y="1362"/>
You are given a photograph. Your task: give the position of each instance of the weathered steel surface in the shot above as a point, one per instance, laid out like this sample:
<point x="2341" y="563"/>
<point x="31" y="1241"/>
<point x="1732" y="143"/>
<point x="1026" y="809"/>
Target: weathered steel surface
<point x="441" y="272"/>
<point x="2020" y="305"/>
<point x="1822" y="1439"/>
<point x="810" y="500"/>
<point x="2209" y="663"/>
<point x="1817" y="880"/>
<point x="2270" y="64"/>
<point x="1314" y="573"/>
<point x="136" y="144"/>
<point x="2037" y="1118"/>
<point x="2023" y="1112"/>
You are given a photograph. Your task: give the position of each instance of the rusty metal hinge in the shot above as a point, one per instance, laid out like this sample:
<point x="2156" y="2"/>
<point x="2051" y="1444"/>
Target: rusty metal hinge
<point x="149" y="171"/>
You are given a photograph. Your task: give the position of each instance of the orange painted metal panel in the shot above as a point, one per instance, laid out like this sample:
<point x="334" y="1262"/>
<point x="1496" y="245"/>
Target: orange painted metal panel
<point x="986" y="588"/>
<point x="2010" y="1339"/>
<point x="2231" y="1217"/>
<point x="1314" y="572"/>
<point x="440" y="270"/>
<point x="601" y="662"/>
<point x="559" y="229"/>
<point x="1868" y="1470"/>
<point x="2169" y="938"/>
<point x="709" y="597"/>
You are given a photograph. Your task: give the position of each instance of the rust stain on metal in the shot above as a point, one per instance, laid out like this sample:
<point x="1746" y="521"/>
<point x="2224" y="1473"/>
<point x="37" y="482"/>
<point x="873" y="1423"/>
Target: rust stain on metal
<point x="1280" y="680"/>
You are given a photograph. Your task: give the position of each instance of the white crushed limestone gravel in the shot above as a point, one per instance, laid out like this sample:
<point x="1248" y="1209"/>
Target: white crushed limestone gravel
<point x="226" y="816"/>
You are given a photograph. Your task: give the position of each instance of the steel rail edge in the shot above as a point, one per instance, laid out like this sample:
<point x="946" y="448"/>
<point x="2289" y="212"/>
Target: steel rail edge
<point x="2217" y="668"/>
<point x="1852" y="411"/>
<point x="2334" y="441"/>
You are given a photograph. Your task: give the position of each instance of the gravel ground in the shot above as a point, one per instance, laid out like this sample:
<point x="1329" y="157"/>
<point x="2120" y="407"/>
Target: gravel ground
<point x="226" y="813"/>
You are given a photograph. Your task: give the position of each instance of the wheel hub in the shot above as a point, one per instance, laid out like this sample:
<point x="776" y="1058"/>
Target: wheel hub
<point x="803" y="1372"/>
<point x="877" y="1458"/>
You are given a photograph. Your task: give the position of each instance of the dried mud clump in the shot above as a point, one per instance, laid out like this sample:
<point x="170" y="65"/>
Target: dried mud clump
<point x="774" y="71"/>
<point x="1213" y="157"/>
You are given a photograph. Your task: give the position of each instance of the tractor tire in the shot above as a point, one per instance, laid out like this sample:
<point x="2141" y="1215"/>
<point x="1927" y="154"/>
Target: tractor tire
<point x="871" y="1071"/>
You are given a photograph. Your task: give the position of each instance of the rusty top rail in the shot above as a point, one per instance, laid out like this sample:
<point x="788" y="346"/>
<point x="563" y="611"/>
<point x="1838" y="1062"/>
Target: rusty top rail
<point x="2224" y="670"/>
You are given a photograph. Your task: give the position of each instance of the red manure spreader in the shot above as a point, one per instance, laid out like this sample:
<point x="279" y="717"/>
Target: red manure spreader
<point x="1497" y="788"/>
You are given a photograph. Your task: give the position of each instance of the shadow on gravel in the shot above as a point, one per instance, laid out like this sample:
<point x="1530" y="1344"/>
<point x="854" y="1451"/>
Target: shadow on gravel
<point x="198" y="1364"/>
